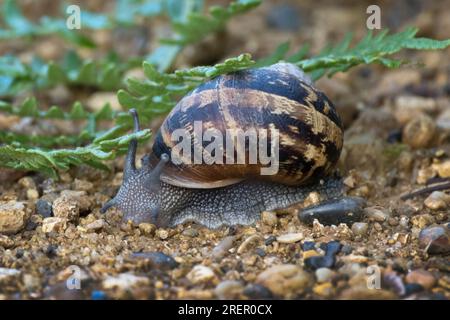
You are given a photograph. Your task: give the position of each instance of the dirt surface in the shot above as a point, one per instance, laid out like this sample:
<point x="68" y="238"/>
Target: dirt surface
<point x="397" y="140"/>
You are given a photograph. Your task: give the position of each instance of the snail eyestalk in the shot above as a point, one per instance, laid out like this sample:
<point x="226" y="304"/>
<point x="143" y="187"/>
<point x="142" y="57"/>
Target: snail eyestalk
<point x="153" y="181"/>
<point x="130" y="161"/>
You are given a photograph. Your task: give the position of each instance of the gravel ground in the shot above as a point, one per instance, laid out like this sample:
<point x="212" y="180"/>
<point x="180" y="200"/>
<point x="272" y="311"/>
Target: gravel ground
<point x="397" y="245"/>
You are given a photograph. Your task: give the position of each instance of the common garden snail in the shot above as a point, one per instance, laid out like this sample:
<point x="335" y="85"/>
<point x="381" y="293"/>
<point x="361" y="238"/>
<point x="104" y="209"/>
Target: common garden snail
<point x="279" y="97"/>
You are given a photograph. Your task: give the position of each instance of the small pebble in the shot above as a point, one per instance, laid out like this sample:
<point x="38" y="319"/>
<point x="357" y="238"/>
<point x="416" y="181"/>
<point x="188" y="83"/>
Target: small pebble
<point x="147" y="229"/>
<point x="360" y="228"/>
<point x="411" y="288"/>
<point x="54" y="224"/>
<point x="82" y="185"/>
<point x="29" y="184"/>
<point x="190" y="232"/>
<point x="422" y="277"/>
<point x="221" y="249"/>
<point x="229" y="289"/>
<point x="419" y="132"/>
<point x="200" y="274"/>
<point x="123" y="285"/>
<point x="335" y="211"/>
<point x="19" y="253"/>
<point x="407" y="107"/>
<point x="435" y="240"/>
<point x="286" y="280"/>
<point x="437" y="200"/>
<point x="324" y="275"/>
<point x="44" y="208"/>
<point x="8" y="275"/>
<point x="290" y="237"/>
<point x="310" y="253"/>
<point x="260" y="252"/>
<point x="157" y="260"/>
<point x="376" y="214"/>
<point x="51" y="251"/>
<point x="269" y="218"/>
<point x="395" y="136"/>
<point x="249" y="243"/>
<point x="13" y="217"/>
<point x="346" y="249"/>
<point x="308" y="245"/>
<point x="422" y="220"/>
<point x="95" y="225"/>
<point x="32" y="194"/>
<point x="257" y="291"/>
<point x="270" y="240"/>
<point x="59" y="291"/>
<point x="67" y="208"/>
<point x="393" y="221"/>
<point x="324" y="289"/>
<point x="332" y="248"/>
<point x="6" y="242"/>
<point x="31" y="283"/>
<point x="313" y="198"/>
<point x="443" y="169"/>
<point x="31" y="225"/>
<point x="404" y="222"/>
<point x="394" y="282"/>
<point x="163" y="234"/>
<point x="316" y="262"/>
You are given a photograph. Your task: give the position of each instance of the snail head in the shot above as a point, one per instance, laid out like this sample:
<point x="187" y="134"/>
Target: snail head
<point x="139" y="195"/>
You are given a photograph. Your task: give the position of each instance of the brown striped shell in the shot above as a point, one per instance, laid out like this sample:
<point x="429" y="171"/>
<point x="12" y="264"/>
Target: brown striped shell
<point x="279" y="97"/>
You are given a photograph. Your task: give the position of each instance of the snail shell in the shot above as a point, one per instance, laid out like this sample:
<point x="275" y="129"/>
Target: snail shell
<point x="278" y="97"/>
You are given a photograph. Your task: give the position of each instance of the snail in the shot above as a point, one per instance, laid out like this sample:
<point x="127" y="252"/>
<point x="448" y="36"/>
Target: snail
<point x="280" y="97"/>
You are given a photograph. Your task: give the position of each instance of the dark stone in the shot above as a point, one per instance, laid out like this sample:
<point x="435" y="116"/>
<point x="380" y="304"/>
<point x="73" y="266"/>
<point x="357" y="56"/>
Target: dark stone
<point x="44" y="208"/>
<point x="257" y="291"/>
<point x="284" y="17"/>
<point x="394" y="282"/>
<point x="51" y="251"/>
<point x="411" y="288"/>
<point x="308" y="245"/>
<point x="346" y="249"/>
<point x="435" y="240"/>
<point x="335" y="211"/>
<point x="19" y="253"/>
<point x="270" y="240"/>
<point x="260" y="252"/>
<point x="394" y="136"/>
<point x="30" y="226"/>
<point x="232" y="230"/>
<point x="157" y="260"/>
<point x="317" y="262"/>
<point x="332" y="248"/>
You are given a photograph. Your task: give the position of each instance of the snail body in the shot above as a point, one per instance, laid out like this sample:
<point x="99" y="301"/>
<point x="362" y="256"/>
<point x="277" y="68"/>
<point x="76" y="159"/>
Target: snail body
<point x="279" y="101"/>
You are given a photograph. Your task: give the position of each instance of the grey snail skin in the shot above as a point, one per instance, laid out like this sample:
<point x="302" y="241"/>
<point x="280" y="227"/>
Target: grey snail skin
<point x="281" y="97"/>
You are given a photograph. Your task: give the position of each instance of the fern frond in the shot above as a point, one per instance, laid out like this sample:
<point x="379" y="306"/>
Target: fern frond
<point x="193" y="26"/>
<point x="161" y="91"/>
<point x="105" y="74"/>
<point x="49" y="162"/>
<point x="371" y="49"/>
<point x="197" y="25"/>
<point x="30" y="108"/>
<point x="125" y="13"/>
